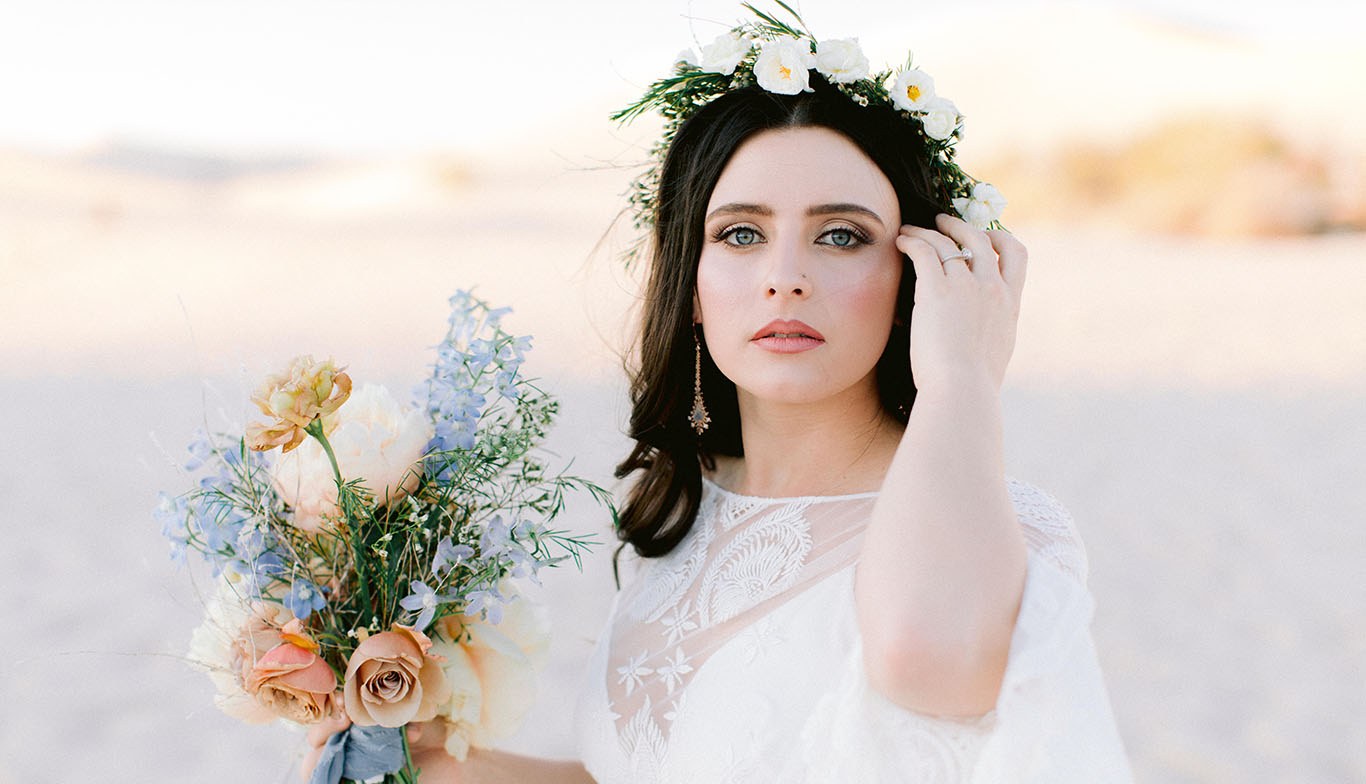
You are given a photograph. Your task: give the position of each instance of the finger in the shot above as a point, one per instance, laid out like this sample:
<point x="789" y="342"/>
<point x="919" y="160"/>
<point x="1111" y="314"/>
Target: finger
<point x="960" y="232"/>
<point x="320" y="732"/>
<point x="318" y="735"/>
<point x="309" y="762"/>
<point x="942" y="244"/>
<point x="945" y="250"/>
<point x="427" y="734"/>
<point x="924" y="258"/>
<point x="1014" y="260"/>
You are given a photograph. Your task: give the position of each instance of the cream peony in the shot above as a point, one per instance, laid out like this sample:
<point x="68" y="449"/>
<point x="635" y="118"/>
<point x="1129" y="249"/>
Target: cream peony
<point x="985" y="205"/>
<point x="784" y="66"/>
<point x="374" y="438"/>
<point x="725" y="53"/>
<point x="912" y="90"/>
<point x="841" y="60"/>
<point x="940" y="119"/>
<point x="492" y="673"/>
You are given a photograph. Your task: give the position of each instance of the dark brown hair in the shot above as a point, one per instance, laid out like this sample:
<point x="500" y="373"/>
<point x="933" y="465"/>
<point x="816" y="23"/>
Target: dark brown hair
<point x="669" y="455"/>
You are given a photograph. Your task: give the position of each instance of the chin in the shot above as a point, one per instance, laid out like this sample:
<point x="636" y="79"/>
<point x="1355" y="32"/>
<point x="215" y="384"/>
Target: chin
<point x="803" y="391"/>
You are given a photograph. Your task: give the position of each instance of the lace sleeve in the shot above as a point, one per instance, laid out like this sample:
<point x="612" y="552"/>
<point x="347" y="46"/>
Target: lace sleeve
<point x="1049" y="530"/>
<point x="1052" y="721"/>
<point x="1053" y="718"/>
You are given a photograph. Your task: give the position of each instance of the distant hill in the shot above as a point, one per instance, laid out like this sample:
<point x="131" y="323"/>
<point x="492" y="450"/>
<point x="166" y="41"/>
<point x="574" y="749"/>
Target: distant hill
<point x="1199" y="175"/>
<point x="186" y="165"/>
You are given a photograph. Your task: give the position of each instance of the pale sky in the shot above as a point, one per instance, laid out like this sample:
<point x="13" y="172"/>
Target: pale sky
<point x="364" y="75"/>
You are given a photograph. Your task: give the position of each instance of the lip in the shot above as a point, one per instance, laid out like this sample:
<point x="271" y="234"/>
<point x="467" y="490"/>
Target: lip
<point x="787" y="337"/>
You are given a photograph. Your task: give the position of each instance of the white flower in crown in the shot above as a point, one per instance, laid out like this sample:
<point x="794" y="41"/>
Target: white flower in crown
<point x="686" y="57"/>
<point x="784" y="66"/>
<point x="841" y="60"/>
<point x="912" y="90"/>
<point x="983" y="206"/>
<point x="722" y="55"/>
<point x="940" y="119"/>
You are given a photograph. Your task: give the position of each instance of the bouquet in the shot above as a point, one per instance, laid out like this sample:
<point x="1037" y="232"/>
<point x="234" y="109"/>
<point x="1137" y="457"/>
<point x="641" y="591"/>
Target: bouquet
<point x="366" y="553"/>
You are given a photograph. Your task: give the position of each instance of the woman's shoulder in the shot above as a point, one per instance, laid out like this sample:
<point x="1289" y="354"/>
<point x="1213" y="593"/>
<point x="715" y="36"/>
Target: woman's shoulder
<point x="1049" y="530"/>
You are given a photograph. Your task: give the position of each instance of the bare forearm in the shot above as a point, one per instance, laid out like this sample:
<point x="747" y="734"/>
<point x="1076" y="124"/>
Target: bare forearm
<point x="943" y="561"/>
<point x="488" y="766"/>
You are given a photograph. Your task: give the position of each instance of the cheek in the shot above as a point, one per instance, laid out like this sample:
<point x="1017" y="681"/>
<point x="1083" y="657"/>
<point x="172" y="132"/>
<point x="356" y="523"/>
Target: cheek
<point x="717" y="288"/>
<point x="874" y="292"/>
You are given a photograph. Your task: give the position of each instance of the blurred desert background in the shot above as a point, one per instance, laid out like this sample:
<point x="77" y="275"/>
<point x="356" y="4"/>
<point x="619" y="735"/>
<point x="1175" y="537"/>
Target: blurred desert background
<point x="192" y="193"/>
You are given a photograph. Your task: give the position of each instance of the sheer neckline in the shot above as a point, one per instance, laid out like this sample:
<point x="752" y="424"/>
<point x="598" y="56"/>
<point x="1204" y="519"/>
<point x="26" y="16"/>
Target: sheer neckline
<point x="787" y="499"/>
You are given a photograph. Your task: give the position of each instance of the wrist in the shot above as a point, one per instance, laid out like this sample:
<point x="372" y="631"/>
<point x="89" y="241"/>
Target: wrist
<point x="964" y="383"/>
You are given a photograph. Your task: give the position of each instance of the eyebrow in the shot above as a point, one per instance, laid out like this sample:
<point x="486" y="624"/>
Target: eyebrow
<point x="740" y="208"/>
<point x="832" y="209"/>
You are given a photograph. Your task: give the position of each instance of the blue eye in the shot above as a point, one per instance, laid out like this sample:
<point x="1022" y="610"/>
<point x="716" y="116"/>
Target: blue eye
<point x="739" y="236"/>
<point x="843" y="237"/>
<point x="743" y="236"/>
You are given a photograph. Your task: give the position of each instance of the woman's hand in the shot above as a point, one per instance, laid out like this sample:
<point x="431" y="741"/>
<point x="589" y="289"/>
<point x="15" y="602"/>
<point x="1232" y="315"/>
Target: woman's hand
<point x="317" y="738"/>
<point x="964" y="320"/>
<point x="426" y="743"/>
<point x="943" y="561"/>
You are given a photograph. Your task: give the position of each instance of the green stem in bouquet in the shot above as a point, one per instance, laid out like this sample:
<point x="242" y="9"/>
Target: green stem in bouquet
<point x="315" y="429"/>
<point x="409" y="773"/>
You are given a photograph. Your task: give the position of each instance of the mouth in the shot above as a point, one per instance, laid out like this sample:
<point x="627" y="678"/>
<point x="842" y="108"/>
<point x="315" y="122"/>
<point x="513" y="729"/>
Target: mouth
<point x="787" y="337"/>
<point x="788" y="329"/>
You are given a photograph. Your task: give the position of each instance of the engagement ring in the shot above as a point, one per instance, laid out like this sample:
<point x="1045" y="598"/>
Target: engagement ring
<point x="963" y="253"/>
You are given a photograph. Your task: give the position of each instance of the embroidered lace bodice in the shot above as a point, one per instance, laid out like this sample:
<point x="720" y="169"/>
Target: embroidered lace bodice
<point x="737" y="657"/>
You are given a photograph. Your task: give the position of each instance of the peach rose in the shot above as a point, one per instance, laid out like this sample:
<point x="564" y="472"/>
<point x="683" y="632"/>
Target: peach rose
<point x="391" y="680"/>
<point x="294" y="399"/>
<point x="293" y="683"/>
<point x="235" y="633"/>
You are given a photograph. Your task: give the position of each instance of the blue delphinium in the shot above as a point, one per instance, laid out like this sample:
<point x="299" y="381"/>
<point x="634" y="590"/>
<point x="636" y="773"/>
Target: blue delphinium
<point x="496" y="539"/>
<point x="424" y="599"/>
<point x="487" y="602"/>
<point x="449" y="555"/>
<point x="477" y="361"/>
<point x="173" y="514"/>
<point x="304" y="599"/>
<point x="220" y="518"/>
<point x="200" y="449"/>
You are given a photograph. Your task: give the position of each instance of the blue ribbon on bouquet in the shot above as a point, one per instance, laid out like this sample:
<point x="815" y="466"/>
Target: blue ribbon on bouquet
<point x="359" y="753"/>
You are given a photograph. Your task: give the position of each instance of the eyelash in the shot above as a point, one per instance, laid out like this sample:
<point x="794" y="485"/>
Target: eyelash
<point x="725" y="232"/>
<point x="860" y="236"/>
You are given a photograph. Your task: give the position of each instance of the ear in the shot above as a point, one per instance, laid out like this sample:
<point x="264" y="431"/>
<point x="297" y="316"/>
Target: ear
<point x="696" y="308"/>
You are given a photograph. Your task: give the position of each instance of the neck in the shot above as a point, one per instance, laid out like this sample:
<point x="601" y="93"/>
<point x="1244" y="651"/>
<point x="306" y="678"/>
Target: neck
<point x="834" y="446"/>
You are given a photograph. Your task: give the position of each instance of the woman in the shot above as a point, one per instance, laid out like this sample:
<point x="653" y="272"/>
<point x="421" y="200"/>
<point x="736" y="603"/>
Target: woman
<point x="840" y="582"/>
<point x="837" y="580"/>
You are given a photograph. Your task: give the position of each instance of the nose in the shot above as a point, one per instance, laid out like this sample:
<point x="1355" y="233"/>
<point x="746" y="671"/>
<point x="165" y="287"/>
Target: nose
<point x="785" y="275"/>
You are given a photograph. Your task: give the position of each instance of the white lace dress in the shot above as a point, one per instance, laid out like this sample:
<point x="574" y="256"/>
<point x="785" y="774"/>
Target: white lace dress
<point x="737" y="658"/>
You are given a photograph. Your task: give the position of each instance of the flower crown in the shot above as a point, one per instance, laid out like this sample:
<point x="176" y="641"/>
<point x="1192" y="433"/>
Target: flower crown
<point x="779" y="57"/>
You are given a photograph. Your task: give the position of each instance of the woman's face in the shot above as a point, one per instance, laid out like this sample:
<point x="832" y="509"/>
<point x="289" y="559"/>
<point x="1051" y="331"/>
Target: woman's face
<point x="797" y="282"/>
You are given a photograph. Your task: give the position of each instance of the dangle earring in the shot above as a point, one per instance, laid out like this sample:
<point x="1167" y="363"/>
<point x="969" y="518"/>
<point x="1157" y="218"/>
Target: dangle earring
<point x="699" y="418"/>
